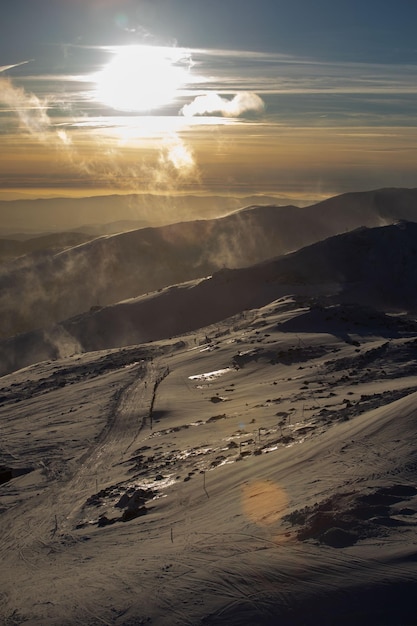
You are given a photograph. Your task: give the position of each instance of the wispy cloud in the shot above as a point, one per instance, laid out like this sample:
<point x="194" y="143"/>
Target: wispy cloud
<point x="31" y="112"/>
<point x="103" y="161"/>
<point x="263" y="73"/>
<point x="4" y="68"/>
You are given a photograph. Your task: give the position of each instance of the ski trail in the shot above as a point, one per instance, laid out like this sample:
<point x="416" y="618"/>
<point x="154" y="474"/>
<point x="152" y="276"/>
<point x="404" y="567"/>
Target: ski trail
<point x="122" y="430"/>
<point x="36" y="523"/>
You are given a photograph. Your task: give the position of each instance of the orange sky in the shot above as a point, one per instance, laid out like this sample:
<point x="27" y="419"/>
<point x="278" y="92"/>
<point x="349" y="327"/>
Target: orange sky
<point x="170" y="120"/>
<point x="301" y="162"/>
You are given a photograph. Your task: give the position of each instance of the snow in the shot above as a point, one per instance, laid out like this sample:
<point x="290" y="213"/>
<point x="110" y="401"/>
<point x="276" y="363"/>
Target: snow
<point x="207" y="376"/>
<point x="290" y="499"/>
<point x="373" y="267"/>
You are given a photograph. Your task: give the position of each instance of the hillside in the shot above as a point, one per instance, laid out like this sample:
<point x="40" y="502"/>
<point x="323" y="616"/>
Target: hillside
<point x="39" y="290"/>
<point x="375" y="267"/>
<point x="262" y="471"/>
<point x="107" y="214"/>
<point x="11" y="248"/>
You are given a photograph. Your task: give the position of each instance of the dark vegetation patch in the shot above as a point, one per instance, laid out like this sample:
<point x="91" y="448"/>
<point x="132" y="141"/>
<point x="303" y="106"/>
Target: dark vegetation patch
<point x="389" y="360"/>
<point x="215" y="418"/>
<point x="346" y="518"/>
<point x="297" y="354"/>
<point x="217" y="399"/>
<point x="131" y="501"/>
<point x="365" y="403"/>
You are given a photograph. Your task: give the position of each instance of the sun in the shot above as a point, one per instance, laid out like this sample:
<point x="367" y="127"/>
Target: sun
<point x="142" y="78"/>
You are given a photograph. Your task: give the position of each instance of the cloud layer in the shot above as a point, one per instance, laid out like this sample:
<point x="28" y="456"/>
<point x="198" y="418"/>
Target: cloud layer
<point x="241" y="120"/>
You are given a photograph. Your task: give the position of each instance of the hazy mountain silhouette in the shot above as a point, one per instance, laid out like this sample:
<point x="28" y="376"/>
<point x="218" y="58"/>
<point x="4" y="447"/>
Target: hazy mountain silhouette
<point x="13" y="248"/>
<point x="375" y="267"/>
<point x="41" y="289"/>
<point x="108" y="214"/>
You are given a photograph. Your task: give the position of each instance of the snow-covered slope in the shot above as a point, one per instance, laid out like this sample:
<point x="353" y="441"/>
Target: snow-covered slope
<point x="258" y="471"/>
<point x="376" y="267"/>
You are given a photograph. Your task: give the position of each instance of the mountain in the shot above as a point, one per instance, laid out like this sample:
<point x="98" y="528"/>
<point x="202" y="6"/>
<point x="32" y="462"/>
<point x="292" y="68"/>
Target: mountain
<point x="38" y="290"/>
<point x="13" y="248"/>
<point x="113" y="213"/>
<point x="41" y="289"/>
<point x="234" y="449"/>
<point x="374" y="267"/>
<point x="259" y="471"/>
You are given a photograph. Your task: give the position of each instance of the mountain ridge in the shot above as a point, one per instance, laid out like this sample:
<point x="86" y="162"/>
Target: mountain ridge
<point x="374" y="267"/>
<point x="41" y="289"/>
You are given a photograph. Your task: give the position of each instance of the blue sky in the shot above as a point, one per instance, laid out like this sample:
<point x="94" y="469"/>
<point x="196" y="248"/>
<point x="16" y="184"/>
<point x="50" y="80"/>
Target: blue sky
<point x="296" y="98"/>
<point x="360" y="30"/>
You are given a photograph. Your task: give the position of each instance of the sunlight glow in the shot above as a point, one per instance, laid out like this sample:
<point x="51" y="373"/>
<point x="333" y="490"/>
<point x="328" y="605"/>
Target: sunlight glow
<point x="136" y="130"/>
<point x="142" y="78"/>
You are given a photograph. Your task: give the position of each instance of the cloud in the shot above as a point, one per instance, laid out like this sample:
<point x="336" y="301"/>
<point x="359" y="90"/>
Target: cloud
<point x="29" y="109"/>
<point x="91" y="157"/>
<point x="179" y="155"/>
<point x="242" y="102"/>
<point x="31" y="112"/>
<point x="175" y="164"/>
<point x="3" y="68"/>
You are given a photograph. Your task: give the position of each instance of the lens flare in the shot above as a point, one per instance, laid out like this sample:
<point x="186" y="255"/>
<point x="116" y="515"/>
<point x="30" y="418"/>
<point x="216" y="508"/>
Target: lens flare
<point x="263" y="502"/>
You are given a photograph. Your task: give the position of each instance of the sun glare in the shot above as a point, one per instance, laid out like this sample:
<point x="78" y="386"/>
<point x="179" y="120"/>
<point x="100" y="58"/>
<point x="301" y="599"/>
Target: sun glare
<point x="142" y="78"/>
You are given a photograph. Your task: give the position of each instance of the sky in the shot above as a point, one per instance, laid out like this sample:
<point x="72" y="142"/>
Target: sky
<point x="292" y="98"/>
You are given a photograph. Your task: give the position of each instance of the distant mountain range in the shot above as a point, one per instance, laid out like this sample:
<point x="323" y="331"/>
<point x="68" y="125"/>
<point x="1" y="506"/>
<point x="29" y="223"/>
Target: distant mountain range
<point x="63" y="280"/>
<point x="72" y="275"/>
<point x="104" y="215"/>
<point x="376" y="267"/>
<point x="11" y="248"/>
